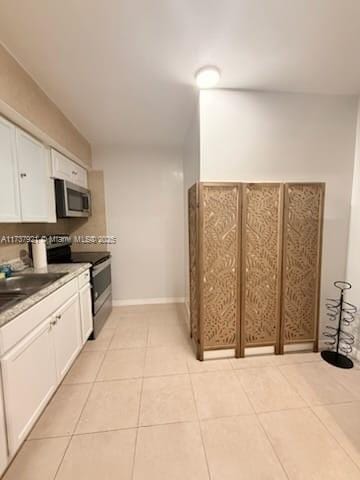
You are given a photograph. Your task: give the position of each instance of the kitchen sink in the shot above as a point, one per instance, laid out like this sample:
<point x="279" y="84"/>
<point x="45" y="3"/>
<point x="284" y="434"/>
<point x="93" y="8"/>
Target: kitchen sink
<point x="28" y="283"/>
<point x="7" y="300"/>
<point x="21" y="285"/>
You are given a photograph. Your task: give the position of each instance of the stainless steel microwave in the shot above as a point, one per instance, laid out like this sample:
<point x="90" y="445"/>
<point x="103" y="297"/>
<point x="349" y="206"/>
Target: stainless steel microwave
<point x="71" y="200"/>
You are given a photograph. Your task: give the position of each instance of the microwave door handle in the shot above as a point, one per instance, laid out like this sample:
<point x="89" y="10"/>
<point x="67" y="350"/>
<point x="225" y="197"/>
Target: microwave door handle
<point x="85" y="201"/>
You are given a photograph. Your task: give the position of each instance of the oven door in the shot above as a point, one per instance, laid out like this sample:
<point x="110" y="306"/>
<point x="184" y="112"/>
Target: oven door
<point x="101" y="284"/>
<point x="71" y="200"/>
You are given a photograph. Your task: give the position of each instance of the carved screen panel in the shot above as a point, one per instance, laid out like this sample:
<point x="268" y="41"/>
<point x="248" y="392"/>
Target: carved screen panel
<point x="193" y="261"/>
<point x="220" y="264"/>
<point x="301" y="262"/>
<point x="261" y="263"/>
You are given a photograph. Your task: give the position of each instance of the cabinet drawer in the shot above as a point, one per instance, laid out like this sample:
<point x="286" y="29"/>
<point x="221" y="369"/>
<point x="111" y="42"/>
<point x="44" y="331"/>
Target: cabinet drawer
<point x="84" y="278"/>
<point x="16" y="329"/>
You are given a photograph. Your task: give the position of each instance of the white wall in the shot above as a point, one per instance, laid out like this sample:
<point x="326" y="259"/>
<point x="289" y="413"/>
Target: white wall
<point x="191" y="171"/>
<point x="353" y="260"/>
<point x="144" y="198"/>
<point x="258" y="136"/>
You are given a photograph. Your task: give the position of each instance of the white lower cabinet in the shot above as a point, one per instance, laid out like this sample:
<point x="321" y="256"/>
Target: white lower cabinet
<point x="86" y="312"/>
<point x="37" y="349"/>
<point x="3" y="437"/>
<point x="29" y="380"/>
<point x="67" y="335"/>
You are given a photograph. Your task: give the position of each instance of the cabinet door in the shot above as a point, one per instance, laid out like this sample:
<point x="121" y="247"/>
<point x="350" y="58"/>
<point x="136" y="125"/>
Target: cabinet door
<point x="86" y="312"/>
<point x="29" y="380"/>
<point x="3" y="438"/>
<point x="80" y="176"/>
<point x="67" y="335"/>
<point x="34" y="178"/>
<point x="51" y="190"/>
<point x="61" y="166"/>
<point x="9" y="191"/>
<point x="66" y="169"/>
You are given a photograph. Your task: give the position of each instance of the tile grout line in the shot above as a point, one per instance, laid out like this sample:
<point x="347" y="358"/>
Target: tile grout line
<point x="199" y="422"/>
<point x="78" y="420"/>
<point x="332" y="374"/>
<point x="263" y="429"/>
<point x="139" y="408"/>
<point x="308" y="401"/>
<point x="334" y="437"/>
<point x="272" y="446"/>
<point x="293" y="388"/>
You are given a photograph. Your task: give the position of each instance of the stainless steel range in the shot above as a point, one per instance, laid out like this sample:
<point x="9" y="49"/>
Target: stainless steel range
<point x="60" y="252"/>
<point x="101" y="285"/>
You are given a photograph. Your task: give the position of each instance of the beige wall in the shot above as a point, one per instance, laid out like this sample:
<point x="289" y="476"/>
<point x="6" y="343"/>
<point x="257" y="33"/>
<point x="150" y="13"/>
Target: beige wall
<point x="96" y="223"/>
<point x="20" y="92"/>
<point x="353" y="264"/>
<point x="263" y="136"/>
<point x="191" y="172"/>
<point x="144" y="208"/>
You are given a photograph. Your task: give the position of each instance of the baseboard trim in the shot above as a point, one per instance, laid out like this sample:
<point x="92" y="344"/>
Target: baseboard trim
<point x="355" y="354"/>
<point x="187" y="308"/>
<point x="147" y="301"/>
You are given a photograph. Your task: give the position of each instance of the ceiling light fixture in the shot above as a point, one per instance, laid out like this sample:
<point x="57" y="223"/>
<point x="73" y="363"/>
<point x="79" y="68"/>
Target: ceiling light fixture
<point x="207" y="77"/>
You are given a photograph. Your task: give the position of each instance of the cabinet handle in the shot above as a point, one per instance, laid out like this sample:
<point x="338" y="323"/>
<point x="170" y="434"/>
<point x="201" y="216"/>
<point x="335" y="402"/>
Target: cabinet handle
<point x="22" y="175"/>
<point x="74" y="173"/>
<point x="58" y="317"/>
<point x="53" y="323"/>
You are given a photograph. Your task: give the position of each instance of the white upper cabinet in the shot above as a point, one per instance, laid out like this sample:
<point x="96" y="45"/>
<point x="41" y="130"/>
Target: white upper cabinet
<point x="66" y="169"/>
<point x="27" y="190"/>
<point x="9" y="191"/>
<point x="34" y="174"/>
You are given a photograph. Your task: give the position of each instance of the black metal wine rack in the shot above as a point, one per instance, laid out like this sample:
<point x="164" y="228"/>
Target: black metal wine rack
<point x="339" y="341"/>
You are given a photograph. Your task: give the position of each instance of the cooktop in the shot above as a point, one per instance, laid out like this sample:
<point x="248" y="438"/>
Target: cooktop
<point x="92" y="257"/>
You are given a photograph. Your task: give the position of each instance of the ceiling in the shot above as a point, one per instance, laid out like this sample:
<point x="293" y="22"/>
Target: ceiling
<point x="122" y="70"/>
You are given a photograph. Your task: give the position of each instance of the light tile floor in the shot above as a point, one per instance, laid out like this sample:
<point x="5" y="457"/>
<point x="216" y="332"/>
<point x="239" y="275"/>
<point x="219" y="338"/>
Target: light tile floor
<point x="137" y="405"/>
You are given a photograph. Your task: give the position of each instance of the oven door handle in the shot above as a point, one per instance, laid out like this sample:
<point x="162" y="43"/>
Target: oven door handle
<point x="99" y="268"/>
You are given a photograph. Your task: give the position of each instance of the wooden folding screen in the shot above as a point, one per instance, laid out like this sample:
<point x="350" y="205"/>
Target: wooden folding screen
<point x="194" y="290"/>
<point x="261" y="265"/>
<point x="219" y="265"/>
<point x="302" y="241"/>
<point x="255" y="253"/>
